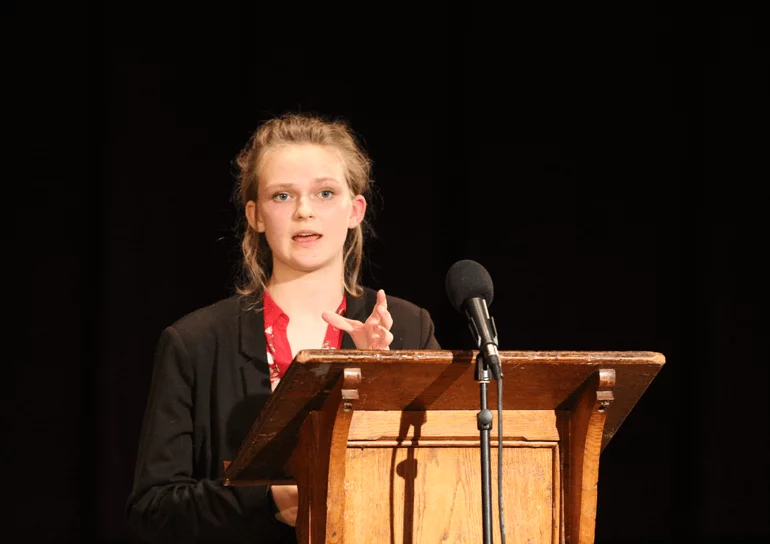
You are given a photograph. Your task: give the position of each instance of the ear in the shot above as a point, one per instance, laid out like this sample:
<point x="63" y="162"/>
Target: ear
<point x="252" y="216"/>
<point x="357" y="211"/>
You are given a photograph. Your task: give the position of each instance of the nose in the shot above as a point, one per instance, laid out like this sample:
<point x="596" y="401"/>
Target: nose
<point x="304" y="208"/>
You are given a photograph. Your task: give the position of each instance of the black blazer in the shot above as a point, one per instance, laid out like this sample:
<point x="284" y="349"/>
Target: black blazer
<point x="209" y="383"/>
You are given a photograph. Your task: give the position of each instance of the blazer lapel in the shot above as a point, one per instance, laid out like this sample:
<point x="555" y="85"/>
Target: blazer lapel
<point x="251" y="333"/>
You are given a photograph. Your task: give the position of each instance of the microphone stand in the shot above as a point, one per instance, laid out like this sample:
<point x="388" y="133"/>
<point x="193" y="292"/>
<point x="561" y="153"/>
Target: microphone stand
<point x="484" y="422"/>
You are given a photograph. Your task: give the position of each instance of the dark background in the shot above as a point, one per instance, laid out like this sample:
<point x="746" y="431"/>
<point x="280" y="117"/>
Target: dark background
<point x="607" y="167"/>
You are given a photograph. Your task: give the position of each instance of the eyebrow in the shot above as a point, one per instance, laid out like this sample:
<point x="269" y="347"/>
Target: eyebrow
<point x="325" y="179"/>
<point x="317" y="181"/>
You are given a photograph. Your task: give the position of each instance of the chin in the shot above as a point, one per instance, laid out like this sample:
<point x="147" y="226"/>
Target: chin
<point x="311" y="265"/>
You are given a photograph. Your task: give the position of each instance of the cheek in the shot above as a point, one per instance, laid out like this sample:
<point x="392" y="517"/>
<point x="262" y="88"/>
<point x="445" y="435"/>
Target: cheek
<point x="340" y="212"/>
<point x="274" y="217"/>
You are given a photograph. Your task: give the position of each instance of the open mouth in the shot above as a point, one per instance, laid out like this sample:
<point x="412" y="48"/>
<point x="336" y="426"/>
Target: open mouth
<point x="306" y="237"/>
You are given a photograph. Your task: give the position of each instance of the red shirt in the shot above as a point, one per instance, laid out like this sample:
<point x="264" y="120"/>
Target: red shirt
<point x="278" y="350"/>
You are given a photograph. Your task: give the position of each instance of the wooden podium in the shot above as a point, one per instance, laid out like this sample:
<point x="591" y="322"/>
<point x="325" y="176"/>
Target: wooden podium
<point x="384" y="445"/>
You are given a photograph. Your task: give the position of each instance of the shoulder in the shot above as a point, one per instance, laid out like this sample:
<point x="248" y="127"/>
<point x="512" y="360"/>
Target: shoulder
<point x="220" y="316"/>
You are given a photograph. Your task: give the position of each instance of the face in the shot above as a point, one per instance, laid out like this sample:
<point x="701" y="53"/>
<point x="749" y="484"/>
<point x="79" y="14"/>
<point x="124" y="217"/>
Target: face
<point x="305" y="207"/>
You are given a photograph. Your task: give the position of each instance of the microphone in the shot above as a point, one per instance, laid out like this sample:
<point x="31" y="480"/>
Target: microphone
<point x="470" y="290"/>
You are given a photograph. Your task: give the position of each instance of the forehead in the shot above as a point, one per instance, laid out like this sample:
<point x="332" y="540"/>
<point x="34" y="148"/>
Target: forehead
<point x="298" y="163"/>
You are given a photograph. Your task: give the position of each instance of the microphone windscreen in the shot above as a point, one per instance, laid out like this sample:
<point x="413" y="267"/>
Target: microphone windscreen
<point x="467" y="279"/>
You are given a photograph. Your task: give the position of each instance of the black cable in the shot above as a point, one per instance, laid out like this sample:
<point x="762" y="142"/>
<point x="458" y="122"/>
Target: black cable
<point x="500" y="457"/>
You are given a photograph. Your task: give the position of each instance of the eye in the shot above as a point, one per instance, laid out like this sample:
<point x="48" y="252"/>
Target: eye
<point x="326" y="194"/>
<point x="281" y="197"/>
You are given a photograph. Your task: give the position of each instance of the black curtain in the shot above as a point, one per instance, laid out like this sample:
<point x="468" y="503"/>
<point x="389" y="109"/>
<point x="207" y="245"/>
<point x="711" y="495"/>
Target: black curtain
<point x="607" y="167"/>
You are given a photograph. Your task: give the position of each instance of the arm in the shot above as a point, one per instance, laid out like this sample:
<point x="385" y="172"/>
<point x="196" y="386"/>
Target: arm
<point x="168" y="502"/>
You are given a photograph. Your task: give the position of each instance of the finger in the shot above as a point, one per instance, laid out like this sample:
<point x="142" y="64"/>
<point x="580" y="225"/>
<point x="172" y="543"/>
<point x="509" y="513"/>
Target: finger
<point x="387" y="338"/>
<point x="373" y="326"/>
<point x="382" y="339"/>
<point x="382" y="300"/>
<point x="386" y="320"/>
<point x="374" y="317"/>
<point x="342" y="323"/>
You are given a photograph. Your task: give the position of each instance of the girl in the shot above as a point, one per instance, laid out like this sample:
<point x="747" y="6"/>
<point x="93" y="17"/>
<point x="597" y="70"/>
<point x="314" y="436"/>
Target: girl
<point x="302" y="186"/>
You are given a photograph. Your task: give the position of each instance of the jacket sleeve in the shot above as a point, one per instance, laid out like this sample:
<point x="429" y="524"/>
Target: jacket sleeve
<point x="427" y="336"/>
<point x="168" y="503"/>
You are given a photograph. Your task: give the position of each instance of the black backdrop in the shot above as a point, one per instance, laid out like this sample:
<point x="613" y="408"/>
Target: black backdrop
<point x="605" y="166"/>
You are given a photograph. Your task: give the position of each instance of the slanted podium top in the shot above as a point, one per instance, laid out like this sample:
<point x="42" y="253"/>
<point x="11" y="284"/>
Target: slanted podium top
<point x="420" y="380"/>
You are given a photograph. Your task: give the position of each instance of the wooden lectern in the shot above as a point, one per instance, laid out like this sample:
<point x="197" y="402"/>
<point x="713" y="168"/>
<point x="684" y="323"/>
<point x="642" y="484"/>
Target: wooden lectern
<point x="384" y="445"/>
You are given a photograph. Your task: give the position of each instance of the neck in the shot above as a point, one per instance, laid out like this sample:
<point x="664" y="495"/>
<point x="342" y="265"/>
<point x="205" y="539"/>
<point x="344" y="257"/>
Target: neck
<point x="308" y="293"/>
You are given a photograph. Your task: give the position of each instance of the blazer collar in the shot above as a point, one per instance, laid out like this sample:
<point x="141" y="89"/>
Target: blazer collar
<point x="252" y="332"/>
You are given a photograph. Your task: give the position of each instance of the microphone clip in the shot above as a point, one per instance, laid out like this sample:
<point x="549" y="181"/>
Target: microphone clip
<point x="486" y="340"/>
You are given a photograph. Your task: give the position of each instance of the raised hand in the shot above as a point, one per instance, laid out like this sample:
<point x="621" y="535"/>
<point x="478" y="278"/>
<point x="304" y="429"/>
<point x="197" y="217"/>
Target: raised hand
<point x="374" y="333"/>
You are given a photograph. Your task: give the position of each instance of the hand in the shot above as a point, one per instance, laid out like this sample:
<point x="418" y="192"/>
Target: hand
<point x="286" y="499"/>
<point x="372" y="334"/>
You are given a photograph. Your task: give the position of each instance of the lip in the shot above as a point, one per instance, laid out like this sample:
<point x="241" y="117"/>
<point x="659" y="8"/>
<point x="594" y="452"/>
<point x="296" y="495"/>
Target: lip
<point x="306" y="233"/>
<point x="306" y="238"/>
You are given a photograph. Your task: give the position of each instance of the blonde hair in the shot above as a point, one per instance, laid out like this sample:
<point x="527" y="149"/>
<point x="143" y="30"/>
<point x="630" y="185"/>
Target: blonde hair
<point x="298" y="129"/>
